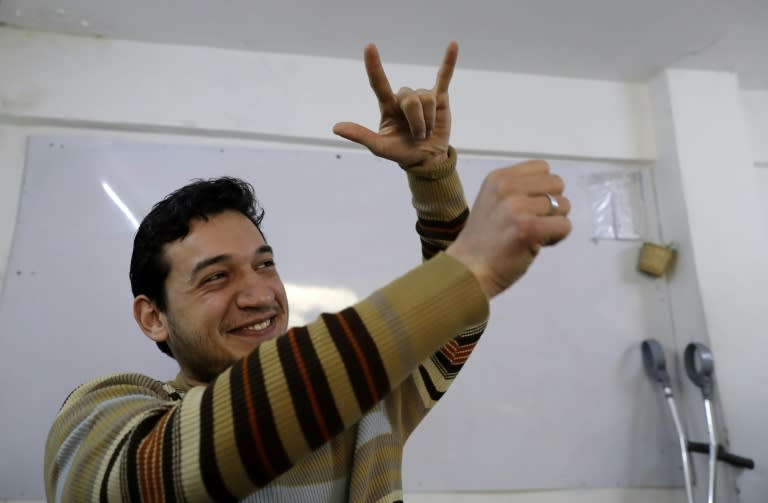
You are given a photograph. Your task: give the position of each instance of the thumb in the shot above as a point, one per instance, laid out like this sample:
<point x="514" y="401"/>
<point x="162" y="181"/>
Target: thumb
<point x="358" y="134"/>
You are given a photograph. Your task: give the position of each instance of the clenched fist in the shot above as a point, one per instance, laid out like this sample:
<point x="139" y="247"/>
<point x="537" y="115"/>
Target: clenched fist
<point x="511" y="219"/>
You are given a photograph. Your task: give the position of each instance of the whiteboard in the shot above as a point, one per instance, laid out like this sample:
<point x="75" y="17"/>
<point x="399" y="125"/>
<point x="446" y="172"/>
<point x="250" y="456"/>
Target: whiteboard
<point x="554" y="396"/>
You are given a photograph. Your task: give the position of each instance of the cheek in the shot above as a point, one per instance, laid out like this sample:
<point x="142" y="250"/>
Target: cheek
<point x="280" y="296"/>
<point x="213" y="307"/>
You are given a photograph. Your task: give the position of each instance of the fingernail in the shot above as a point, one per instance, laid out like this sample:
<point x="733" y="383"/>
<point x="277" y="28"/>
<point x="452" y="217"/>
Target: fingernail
<point x="422" y="136"/>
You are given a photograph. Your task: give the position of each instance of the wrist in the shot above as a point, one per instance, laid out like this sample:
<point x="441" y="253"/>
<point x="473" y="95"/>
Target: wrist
<point x="437" y="165"/>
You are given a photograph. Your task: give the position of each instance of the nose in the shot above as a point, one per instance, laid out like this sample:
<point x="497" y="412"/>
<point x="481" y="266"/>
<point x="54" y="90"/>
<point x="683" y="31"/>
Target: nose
<point x="255" y="292"/>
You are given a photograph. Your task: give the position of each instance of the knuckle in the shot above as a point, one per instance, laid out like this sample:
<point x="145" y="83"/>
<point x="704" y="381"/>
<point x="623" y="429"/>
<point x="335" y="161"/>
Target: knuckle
<point x="428" y="98"/>
<point x="494" y="178"/>
<point x="535" y="165"/>
<point x="410" y="102"/>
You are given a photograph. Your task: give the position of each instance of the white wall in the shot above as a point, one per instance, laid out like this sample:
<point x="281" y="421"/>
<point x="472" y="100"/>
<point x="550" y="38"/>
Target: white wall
<point x="73" y="85"/>
<point x="755" y="105"/>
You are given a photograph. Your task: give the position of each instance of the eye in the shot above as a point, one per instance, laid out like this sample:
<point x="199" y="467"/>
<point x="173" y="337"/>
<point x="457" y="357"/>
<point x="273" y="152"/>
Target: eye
<point x="266" y="264"/>
<point x="215" y="277"/>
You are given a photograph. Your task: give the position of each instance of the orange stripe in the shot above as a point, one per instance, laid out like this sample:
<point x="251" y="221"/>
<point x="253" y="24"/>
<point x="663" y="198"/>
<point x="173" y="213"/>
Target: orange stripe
<point x="150" y="473"/>
<point x="308" y="386"/>
<point x="252" y="421"/>
<point x="143" y="469"/>
<point x="158" y="456"/>
<point x="453" y="353"/>
<point x="360" y="357"/>
<point x="151" y="468"/>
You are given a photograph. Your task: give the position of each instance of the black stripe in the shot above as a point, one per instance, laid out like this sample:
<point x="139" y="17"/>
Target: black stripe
<point x="446" y="231"/>
<point x="459" y="220"/>
<point x="299" y="395"/>
<point x="370" y="350"/>
<point x="264" y="419"/>
<point x="167" y="456"/>
<point x="351" y="363"/>
<point x="434" y="394"/>
<point x="319" y="382"/>
<point x="445" y="364"/>
<point x="207" y="453"/>
<point x="103" y="494"/>
<point x="429" y="249"/>
<point x="136" y="437"/>
<point x="437" y="234"/>
<point x="467" y="338"/>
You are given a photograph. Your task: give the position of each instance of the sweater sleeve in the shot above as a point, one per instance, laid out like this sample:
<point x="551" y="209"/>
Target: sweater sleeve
<point x="122" y="437"/>
<point x="442" y="211"/>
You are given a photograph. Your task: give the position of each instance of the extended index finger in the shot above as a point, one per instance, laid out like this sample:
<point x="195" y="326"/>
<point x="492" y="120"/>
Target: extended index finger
<point x="445" y="73"/>
<point x="376" y="76"/>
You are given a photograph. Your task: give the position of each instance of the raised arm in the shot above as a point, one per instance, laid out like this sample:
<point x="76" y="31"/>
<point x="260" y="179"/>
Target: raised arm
<point x="414" y="131"/>
<point x="123" y="437"/>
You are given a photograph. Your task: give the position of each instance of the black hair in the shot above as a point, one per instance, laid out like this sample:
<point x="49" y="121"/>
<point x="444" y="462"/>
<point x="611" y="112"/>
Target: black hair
<point x="169" y="220"/>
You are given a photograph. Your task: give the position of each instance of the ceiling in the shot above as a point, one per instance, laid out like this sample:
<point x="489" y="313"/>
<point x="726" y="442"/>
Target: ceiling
<point x="596" y="39"/>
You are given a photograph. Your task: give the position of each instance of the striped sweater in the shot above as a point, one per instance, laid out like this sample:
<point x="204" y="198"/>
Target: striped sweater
<point x="319" y="414"/>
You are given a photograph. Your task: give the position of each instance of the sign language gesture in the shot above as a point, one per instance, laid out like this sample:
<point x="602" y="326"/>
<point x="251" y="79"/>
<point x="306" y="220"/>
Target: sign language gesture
<point x="415" y="124"/>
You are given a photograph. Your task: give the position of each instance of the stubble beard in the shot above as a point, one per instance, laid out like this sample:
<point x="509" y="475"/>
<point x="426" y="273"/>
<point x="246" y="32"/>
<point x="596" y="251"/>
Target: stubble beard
<point x="199" y="357"/>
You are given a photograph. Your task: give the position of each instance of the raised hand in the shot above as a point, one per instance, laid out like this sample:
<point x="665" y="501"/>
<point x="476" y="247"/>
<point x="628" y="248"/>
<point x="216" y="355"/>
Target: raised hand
<point x="415" y="125"/>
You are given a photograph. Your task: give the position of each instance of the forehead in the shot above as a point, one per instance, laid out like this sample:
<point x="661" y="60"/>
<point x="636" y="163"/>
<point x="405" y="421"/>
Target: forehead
<point x="226" y="233"/>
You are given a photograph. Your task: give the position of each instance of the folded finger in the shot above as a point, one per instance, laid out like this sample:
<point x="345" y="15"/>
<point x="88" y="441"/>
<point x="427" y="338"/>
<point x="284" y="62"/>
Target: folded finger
<point x="428" y="107"/>
<point x="551" y="230"/>
<point x="411" y="106"/>
<point x="544" y="207"/>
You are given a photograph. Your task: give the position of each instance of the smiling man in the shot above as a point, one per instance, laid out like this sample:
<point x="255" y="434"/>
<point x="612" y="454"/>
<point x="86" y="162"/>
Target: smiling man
<point x="204" y="279"/>
<point x="260" y="412"/>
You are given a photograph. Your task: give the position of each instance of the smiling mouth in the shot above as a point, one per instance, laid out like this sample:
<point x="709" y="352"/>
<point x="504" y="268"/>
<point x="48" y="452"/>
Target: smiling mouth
<point x="255" y="328"/>
<point x="259" y="326"/>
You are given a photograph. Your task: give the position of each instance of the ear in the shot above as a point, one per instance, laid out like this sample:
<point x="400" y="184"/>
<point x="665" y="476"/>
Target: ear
<point x="150" y="319"/>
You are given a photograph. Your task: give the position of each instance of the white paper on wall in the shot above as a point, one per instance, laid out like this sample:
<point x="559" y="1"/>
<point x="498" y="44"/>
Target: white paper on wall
<point x="617" y="204"/>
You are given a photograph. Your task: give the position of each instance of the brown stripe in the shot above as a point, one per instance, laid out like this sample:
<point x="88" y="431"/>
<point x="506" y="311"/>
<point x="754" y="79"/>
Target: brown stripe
<point x="360" y="357"/>
<point x="255" y="435"/>
<point x="308" y="387"/>
<point x="445" y="231"/>
<point x="371" y="351"/>
<point x="145" y="468"/>
<point x="259" y="444"/>
<point x="151" y="451"/>
<point x="298" y="390"/>
<point x="157" y="475"/>
<point x="136" y="466"/>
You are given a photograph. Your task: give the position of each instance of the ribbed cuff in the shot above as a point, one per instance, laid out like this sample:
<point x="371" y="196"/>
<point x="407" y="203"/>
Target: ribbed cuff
<point x="431" y="169"/>
<point x="439" y="196"/>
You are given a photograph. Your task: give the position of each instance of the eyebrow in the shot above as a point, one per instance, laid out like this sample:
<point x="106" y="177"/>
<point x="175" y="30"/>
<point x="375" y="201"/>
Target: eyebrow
<point x="263" y="250"/>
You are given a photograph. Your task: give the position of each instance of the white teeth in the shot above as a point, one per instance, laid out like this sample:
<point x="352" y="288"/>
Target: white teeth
<point x="260" y="326"/>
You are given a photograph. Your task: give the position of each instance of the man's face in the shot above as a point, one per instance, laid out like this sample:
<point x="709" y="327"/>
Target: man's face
<point x="224" y="296"/>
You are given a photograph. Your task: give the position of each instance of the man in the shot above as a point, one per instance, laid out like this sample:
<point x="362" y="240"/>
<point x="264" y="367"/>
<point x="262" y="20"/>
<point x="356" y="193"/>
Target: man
<point x="314" y="413"/>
